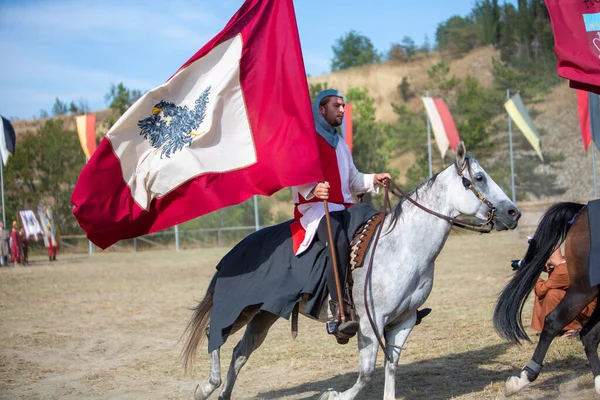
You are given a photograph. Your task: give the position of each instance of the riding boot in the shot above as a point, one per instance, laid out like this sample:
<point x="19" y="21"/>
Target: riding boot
<point x="346" y="330"/>
<point x="351" y="325"/>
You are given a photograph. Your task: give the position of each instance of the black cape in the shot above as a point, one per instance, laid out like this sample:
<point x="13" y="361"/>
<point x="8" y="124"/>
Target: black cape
<point x="262" y="269"/>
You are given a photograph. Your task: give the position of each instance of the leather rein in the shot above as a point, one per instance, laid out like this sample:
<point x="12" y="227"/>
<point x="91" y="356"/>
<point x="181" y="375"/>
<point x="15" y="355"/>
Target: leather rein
<point x="485" y="227"/>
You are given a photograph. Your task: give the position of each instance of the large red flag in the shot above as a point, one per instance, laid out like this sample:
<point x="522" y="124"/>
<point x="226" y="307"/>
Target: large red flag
<point x="234" y="121"/>
<point x="576" y="26"/>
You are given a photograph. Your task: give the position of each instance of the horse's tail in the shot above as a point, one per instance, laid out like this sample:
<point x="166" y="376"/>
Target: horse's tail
<point x="550" y="233"/>
<point x="195" y="331"/>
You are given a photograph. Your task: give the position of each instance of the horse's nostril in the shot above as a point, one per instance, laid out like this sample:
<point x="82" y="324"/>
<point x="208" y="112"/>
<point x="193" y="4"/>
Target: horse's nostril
<point x="514" y="213"/>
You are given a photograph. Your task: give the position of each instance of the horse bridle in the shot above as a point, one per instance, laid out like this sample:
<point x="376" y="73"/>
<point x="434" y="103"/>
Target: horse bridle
<point x="485" y="227"/>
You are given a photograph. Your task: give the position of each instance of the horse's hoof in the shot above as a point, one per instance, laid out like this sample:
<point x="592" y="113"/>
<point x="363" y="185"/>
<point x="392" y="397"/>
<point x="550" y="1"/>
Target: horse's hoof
<point x="515" y="384"/>
<point x="203" y="391"/>
<point x="330" y="394"/>
<point x="597" y="384"/>
<point x="511" y="386"/>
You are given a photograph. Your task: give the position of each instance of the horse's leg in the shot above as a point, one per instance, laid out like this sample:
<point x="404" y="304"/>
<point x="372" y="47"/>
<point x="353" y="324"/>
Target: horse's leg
<point x="565" y="312"/>
<point x="255" y="334"/>
<point x="204" y="390"/>
<point x="590" y="337"/>
<point x="396" y="337"/>
<point x="368" y="346"/>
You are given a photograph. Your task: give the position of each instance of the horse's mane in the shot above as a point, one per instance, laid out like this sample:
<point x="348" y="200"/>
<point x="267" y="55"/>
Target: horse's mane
<point x="397" y="211"/>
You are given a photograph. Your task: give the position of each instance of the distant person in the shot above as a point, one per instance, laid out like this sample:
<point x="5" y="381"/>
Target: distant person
<point x="4" y="246"/>
<point x="52" y="247"/>
<point x="549" y="292"/>
<point x="15" y="244"/>
<point x="24" y="246"/>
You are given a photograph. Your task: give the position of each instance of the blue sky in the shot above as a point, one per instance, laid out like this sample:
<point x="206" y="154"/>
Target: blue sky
<point x="75" y="49"/>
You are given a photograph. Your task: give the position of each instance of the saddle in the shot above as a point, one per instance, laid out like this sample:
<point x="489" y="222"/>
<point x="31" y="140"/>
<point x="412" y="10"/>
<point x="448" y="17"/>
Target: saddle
<point x="362" y="239"/>
<point x="358" y="249"/>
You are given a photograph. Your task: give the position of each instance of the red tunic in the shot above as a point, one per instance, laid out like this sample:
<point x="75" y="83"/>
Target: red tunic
<point x="549" y="292"/>
<point x="344" y="180"/>
<point x="15" y="246"/>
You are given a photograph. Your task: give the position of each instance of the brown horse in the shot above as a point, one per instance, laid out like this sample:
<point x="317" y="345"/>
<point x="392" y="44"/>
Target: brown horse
<point x="563" y="222"/>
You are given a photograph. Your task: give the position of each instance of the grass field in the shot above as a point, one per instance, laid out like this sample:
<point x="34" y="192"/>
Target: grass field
<point x="107" y="326"/>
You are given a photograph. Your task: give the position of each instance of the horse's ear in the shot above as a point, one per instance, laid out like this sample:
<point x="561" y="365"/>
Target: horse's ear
<point x="461" y="152"/>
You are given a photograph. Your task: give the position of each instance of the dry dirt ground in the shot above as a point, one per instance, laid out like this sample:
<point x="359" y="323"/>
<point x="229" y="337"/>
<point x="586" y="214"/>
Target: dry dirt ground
<point x="107" y="326"/>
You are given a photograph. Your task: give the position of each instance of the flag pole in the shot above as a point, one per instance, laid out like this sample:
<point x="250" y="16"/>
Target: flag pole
<point x="593" y="166"/>
<point x="336" y="273"/>
<point x="510" y="144"/>
<point x="429" y="140"/>
<point x="90" y="244"/>
<point x="256" y="224"/>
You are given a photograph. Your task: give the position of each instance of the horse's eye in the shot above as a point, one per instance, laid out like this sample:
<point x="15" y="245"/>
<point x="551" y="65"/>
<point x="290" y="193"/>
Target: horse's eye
<point x="479" y="178"/>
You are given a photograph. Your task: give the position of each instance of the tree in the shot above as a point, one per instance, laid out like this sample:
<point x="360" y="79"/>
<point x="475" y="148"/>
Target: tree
<point x="425" y="47"/>
<point x="409" y="47"/>
<point x="44" y="170"/>
<point x="353" y="50"/>
<point x="403" y="51"/>
<point x="59" y="108"/>
<point x="487" y="16"/>
<point x="373" y="142"/>
<point x="83" y="106"/>
<point x="316" y="88"/>
<point x="441" y="84"/>
<point x="119" y="98"/>
<point x="396" y="53"/>
<point x="457" y="36"/>
<point x="73" y="109"/>
<point x="405" y="91"/>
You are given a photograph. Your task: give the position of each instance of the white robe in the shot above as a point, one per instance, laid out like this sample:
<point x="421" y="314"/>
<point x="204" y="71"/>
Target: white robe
<point x="352" y="181"/>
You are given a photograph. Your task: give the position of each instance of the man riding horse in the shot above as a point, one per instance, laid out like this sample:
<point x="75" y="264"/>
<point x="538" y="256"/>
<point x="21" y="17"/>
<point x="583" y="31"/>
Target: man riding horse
<point x="342" y="179"/>
<point x="291" y="266"/>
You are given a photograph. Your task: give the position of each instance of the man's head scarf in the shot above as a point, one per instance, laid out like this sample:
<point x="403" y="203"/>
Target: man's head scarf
<point x="327" y="132"/>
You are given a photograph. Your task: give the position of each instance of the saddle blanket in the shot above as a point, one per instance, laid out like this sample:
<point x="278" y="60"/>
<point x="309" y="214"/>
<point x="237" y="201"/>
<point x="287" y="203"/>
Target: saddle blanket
<point x="262" y="269"/>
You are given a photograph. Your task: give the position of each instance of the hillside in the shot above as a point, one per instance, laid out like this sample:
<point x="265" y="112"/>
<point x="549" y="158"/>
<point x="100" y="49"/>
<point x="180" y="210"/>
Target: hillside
<point x="557" y="117"/>
<point x="382" y="79"/>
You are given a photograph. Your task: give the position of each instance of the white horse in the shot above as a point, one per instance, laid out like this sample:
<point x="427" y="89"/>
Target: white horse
<point x="399" y="280"/>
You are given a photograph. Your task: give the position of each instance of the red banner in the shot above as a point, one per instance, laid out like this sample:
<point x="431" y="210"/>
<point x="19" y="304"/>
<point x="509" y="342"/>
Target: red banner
<point x="576" y="26"/>
<point x="234" y="121"/>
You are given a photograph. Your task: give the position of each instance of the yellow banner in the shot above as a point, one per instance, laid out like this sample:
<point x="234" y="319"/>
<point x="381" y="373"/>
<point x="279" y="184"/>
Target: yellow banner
<point x="517" y="111"/>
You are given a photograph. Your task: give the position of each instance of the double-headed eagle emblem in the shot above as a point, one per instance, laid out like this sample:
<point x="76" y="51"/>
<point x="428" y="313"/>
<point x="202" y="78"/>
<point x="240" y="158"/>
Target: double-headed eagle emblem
<point x="170" y="127"/>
